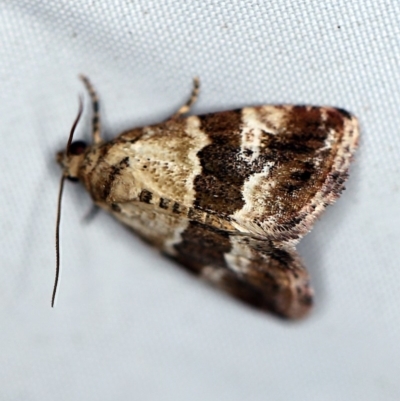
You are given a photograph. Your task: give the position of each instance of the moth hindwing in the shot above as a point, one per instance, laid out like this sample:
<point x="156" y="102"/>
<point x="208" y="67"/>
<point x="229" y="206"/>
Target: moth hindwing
<point x="228" y="194"/>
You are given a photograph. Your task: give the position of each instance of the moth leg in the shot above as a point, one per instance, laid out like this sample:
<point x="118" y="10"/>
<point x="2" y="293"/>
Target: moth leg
<point x="192" y="99"/>
<point x="253" y="271"/>
<point x="91" y="214"/>
<point x="95" y="105"/>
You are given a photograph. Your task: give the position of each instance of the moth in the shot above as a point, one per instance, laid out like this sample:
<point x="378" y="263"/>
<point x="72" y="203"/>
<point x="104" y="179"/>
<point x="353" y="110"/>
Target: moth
<point x="228" y="195"/>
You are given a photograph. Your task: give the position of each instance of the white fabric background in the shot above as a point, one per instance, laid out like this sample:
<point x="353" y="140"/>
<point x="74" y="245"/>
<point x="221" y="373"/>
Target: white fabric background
<point x="130" y="324"/>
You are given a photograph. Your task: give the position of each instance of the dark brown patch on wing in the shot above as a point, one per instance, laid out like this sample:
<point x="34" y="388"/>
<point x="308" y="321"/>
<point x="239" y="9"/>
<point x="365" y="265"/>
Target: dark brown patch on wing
<point x="285" y="303"/>
<point x="176" y="208"/>
<point x="164" y="203"/>
<point x="276" y="273"/>
<point x="219" y="187"/>
<point x="145" y="196"/>
<point x="269" y="279"/>
<point x="302" y="159"/>
<point x="301" y="151"/>
<point x="201" y="246"/>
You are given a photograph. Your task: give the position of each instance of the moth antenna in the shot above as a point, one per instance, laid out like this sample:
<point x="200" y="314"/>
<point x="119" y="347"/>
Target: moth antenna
<point x="191" y="101"/>
<point x="193" y="96"/>
<point x="53" y="297"/>
<point x="77" y="118"/>
<point x="60" y="192"/>
<point x="95" y="104"/>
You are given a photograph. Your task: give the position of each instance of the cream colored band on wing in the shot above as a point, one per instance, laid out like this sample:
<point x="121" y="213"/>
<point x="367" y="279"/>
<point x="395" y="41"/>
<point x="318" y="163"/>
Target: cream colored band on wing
<point x="258" y="122"/>
<point x="168" y="166"/>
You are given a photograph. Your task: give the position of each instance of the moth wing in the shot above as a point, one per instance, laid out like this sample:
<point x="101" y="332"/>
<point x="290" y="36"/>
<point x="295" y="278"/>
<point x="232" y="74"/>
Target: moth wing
<point x="269" y="171"/>
<point x="273" y="169"/>
<point x="253" y="271"/>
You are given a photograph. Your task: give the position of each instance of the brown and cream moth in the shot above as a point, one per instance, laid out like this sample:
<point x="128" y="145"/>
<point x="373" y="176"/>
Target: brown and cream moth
<point x="228" y="195"/>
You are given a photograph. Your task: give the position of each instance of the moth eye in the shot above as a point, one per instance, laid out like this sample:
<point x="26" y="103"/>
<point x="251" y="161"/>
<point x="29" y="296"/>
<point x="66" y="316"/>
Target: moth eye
<point x="72" y="179"/>
<point x="77" y="148"/>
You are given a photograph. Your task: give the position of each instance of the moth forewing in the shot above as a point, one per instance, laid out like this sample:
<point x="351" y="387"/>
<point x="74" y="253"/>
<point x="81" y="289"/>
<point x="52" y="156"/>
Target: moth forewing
<point x="227" y="194"/>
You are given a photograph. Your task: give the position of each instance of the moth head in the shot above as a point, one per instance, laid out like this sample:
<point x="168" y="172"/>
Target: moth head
<point x="71" y="159"/>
